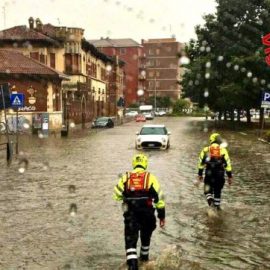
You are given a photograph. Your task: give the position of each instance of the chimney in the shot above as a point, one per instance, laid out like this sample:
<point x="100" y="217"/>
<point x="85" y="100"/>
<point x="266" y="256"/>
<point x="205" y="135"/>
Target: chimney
<point x="39" y="25"/>
<point x="31" y="23"/>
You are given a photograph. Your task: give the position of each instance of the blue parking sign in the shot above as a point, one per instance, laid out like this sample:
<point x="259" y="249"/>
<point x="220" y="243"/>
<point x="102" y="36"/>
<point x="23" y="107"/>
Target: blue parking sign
<point x="17" y="100"/>
<point x="265" y="99"/>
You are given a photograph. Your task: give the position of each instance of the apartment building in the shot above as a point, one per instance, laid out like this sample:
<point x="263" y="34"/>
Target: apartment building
<point x="85" y="95"/>
<point x="161" y="62"/>
<point x="130" y="52"/>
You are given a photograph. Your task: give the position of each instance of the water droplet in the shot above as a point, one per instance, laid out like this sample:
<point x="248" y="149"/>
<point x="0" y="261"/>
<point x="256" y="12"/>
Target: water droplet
<point x="108" y="68"/>
<point x="7" y="71"/>
<point x="143" y="73"/>
<point x="73" y="209"/>
<point x="206" y="93"/>
<point x="207" y="75"/>
<point x="40" y="135"/>
<point x="72" y="188"/>
<point x="205" y="130"/>
<point x="236" y="67"/>
<point x="228" y="65"/>
<point x="243" y="69"/>
<point x="268" y="85"/>
<point x="220" y="58"/>
<point x="190" y="83"/>
<point x="208" y="49"/>
<point x="26" y="126"/>
<point x="197" y="82"/>
<point x="23" y="164"/>
<point x="202" y="49"/>
<point x="204" y="42"/>
<point x="184" y="60"/>
<point x="208" y="64"/>
<point x="72" y="125"/>
<point x="263" y="82"/>
<point x="249" y="74"/>
<point x="255" y="80"/>
<point x="140" y="92"/>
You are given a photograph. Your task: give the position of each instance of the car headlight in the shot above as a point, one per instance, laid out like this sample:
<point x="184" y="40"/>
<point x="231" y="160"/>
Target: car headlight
<point x="138" y="140"/>
<point x="164" y="140"/>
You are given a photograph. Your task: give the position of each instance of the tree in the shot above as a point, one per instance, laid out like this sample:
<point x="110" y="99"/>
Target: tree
<point x="227" y="69"/>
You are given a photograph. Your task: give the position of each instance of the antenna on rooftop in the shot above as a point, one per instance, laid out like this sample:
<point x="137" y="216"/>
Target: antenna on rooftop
<point x="58" y="21"/>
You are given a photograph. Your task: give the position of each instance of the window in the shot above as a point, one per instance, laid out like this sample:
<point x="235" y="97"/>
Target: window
<point x="150" y="52"/>
<point x="157" y="63"/>
<point x="157" y="51"/>
<point x="151" y="73"/>
<point x="34" y="55"/>
<point x="122" y="51"/>
<point x="168" y="49"/>
<point x="52" y="60"/>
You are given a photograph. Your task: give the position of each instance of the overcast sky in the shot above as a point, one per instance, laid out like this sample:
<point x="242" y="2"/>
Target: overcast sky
<point x="135" y="19"/>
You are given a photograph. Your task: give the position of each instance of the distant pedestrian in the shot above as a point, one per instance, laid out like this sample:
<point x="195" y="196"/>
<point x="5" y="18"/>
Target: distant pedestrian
<point x="216" y="161"/>
<point x="140" y="193"/>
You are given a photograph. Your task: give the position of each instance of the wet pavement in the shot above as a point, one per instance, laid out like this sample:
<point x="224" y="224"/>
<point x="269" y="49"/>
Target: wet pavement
<point x="59" y="212"/>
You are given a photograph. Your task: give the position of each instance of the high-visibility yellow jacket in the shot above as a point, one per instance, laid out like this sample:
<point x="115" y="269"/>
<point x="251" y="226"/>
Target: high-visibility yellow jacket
<point x="205" y="157"/>
<point x="153" y="188"/>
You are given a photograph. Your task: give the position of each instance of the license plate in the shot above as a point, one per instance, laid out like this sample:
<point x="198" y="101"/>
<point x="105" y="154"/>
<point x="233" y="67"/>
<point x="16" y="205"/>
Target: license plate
<point x="151" y="145"/>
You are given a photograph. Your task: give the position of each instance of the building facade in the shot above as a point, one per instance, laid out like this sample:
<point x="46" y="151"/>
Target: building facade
<point x="40" y="85"/>
<point x="161" y="63"/>
<point x="85" y="95"/>
<point x="131" y="53"/>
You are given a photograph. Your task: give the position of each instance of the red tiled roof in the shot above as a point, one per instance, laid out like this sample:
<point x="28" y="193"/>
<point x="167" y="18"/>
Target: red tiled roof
<point x="14" y="62"/>
<point x="120" y="43"/>
<point x="20" y="33"/>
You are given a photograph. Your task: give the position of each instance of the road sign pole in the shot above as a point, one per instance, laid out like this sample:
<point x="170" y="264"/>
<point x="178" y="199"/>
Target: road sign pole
<point x="17" y="131"/>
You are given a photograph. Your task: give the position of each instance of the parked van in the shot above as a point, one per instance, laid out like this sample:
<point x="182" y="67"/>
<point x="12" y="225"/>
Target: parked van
<point x="147" y="111"/>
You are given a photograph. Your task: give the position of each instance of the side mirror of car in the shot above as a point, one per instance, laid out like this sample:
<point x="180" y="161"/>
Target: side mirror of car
<point x="169" y="133"/>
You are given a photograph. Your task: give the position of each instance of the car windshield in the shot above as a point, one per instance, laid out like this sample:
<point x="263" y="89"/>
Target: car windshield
<point x="103" y="119"/>
<point x="153" y="131"/>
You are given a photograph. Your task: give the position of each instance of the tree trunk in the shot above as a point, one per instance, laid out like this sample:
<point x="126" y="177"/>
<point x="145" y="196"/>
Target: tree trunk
<point x="225" y="115"/>
<point x="248" y="116"/>
<point x="219" y="115"/>
<point x="232" y="115"/>
<point x="238" y="115"/>
<point x="261" y="116"/>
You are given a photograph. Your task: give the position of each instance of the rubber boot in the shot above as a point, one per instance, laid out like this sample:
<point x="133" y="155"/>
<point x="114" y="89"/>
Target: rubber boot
<point x="132" y="264"/>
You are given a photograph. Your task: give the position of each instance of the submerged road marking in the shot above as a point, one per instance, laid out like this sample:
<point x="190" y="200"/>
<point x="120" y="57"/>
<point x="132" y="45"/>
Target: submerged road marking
<point x="243" y="133"/>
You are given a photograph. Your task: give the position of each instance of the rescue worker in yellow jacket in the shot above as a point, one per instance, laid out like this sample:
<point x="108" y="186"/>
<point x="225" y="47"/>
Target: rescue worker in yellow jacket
<point x="216" y="161"/>
<point x="140" y="193"/>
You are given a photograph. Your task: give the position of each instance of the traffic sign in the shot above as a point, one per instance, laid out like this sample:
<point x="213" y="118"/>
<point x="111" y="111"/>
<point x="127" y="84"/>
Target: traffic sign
<point x="265" y="99"/>
<point x="17" y="100"/>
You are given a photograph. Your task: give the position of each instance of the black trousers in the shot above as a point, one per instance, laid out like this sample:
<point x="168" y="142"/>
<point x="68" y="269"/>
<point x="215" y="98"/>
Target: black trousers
<point x="138" y="223"/>
<point x="213" y="184"/>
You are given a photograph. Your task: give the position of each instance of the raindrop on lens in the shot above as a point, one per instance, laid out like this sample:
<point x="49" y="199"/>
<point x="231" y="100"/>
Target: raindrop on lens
<point x="40" y="135"/>
<point x="208" y="49"/>
<point x="268" y="85"/>
<point x="220" y="58"/>
<point x="23" y="164"/>
<point x="26" y="125"/>
<point x="205" y="130"/>
<point x="204" y="43"/>
<point x="228" y="65"/>
<point x="72" y="188"/>
<point x="208" y="64"/>
<point x="140" y="92"/>
<point x="224" y="144"/>
<point x="73" y="209"/>
<point x="243" y="69"/>
<point x="236" y="67"/>
<point x="197" y="82"/>
<point x="263" y="81"/>
<point x="255" y="79"/>
<point x="249" y="74"/>
<point x="202" y="49"/>
<point x="207" y="75"/>
<point x="184" y="60"/>
<point x="206" y="93"/>
<point x="72" y="125"/>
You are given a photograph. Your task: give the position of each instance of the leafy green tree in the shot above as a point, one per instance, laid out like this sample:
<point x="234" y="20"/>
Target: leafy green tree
<point x="227" y="69"/>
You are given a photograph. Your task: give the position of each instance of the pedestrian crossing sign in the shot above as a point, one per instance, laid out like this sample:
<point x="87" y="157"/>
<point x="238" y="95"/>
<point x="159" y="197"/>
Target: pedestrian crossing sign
<point x="17" y="100"/>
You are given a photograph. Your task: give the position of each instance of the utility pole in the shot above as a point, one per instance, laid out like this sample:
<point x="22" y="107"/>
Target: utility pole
<point x="155" y="104"/>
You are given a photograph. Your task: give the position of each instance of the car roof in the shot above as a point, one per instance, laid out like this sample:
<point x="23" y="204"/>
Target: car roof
<point x="154" y="126"/>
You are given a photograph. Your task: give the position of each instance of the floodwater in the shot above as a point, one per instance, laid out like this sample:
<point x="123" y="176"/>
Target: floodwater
<point x="59" y="212"/>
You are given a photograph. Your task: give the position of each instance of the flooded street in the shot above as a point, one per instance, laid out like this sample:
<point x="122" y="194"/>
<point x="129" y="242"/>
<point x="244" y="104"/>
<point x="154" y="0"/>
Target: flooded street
<point x="59" y="213"/>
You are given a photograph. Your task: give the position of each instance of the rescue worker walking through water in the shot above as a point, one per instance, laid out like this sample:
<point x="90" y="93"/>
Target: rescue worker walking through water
<point x="140" y="193"/>
<point x="215" y="160"/>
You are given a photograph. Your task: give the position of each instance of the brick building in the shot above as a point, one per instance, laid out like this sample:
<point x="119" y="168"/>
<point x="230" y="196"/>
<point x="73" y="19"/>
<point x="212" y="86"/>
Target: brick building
<point x="40" y="85"/>
<point x="161" y="61"/>
<point x="130" y="52"/>
<point x="86" y="94"/>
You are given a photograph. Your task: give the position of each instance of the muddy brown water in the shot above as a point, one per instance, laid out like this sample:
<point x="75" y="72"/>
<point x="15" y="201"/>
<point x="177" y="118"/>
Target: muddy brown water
<point x="59" y="213"/>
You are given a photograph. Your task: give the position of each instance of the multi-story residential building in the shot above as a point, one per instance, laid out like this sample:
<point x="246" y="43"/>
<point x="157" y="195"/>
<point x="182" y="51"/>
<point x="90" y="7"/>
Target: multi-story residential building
<point x="64" y="49"/>
<point x="161" y="58"/>
<point x="130" y="52"/>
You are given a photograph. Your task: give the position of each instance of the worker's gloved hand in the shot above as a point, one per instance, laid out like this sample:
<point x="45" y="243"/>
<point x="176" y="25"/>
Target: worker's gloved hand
<point x="230" y="180"/>
<point x="198" y="181"/>
<point x="162" y="223"/>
